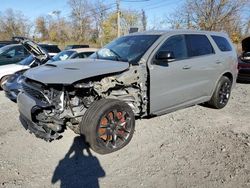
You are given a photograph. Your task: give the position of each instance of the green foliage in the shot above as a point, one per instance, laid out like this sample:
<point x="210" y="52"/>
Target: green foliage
<point x="128" y="18"/>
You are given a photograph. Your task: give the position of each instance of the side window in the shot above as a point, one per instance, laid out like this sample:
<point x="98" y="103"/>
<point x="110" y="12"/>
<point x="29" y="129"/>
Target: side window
<point x="222" y="43"/>
<point x="75" y="56"/>
<point x="16" y="51"/>
<point x="11" y="52"/>
<point x="176" y="44"/>
<point x="87" y="54"/>
<point x="19" y="51"/>
<point x="83" y="55"/>
<point x="198" y="45"/>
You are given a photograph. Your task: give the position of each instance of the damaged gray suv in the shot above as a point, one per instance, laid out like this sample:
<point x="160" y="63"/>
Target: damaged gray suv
<point x="135" y="76"/>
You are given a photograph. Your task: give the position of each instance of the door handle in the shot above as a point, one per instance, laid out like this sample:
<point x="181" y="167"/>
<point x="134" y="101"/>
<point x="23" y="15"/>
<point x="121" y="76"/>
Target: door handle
<point x="218" y="62"/>
<point x="186" y="67"/>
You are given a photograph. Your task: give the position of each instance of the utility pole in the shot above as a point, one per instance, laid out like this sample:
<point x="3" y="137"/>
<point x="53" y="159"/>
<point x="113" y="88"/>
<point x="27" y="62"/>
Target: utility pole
<point x="188" y="21"/>
<point x="118" y="18"/>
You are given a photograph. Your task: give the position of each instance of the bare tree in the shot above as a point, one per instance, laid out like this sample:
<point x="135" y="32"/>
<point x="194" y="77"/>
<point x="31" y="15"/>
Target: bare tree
<point x="130" y="18"/>
<point x="81" y="18"/>
<point x="215" y="15"/>
<point x="99" y="15"/>
<point x="41" y="28"/>
<point x="13" y="24"/>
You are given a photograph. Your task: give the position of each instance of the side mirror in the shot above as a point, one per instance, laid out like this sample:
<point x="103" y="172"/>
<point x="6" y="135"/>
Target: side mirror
<point x="165" y="56"/>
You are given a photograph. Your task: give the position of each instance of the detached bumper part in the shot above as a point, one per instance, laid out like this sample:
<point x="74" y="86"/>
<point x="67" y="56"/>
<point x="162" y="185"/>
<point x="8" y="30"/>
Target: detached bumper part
<point x="37" y="130"/>
<point x="27" y="106"/>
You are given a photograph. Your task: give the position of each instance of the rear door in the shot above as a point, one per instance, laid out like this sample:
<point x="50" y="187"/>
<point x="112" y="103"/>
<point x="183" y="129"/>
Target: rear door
<point x="206" y="62"/>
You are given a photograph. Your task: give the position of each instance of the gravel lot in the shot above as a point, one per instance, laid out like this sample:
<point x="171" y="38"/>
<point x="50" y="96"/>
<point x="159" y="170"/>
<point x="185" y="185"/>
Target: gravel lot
<point x="194" y="147"/>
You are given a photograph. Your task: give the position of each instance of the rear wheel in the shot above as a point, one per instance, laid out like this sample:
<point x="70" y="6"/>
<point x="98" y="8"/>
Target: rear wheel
<point x="221" y="94"/>
<point x="108" y="125"/>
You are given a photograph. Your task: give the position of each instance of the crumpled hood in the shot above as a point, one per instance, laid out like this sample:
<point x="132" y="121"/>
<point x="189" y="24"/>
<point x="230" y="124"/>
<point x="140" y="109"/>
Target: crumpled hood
<point x="70" y="71"/>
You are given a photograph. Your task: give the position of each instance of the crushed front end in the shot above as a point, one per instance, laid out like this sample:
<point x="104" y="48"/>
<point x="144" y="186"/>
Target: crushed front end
<point x="48" y="109"/>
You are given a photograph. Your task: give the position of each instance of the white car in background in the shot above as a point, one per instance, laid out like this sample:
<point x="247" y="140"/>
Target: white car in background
<point x="73" y="54"/>
<point x="7" y="70"/>
<point x="38" y="56"/>
<point x="52" y="49"/>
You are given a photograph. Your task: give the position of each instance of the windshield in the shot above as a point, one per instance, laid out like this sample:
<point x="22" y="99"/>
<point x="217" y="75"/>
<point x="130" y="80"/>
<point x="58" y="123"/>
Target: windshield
<point x="63" y="55"/>
<point x="127" y="48"/>
<point x="4" y="48"/>
<point x="27" y="61"/>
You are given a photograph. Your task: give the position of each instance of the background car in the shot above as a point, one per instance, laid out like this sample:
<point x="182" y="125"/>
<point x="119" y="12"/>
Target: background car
<point x="52" y="49"/>
<point x="7" y="70"/>
<point x="74" y="46"/>
<point x="244" y="61"/>
<point x="12" y="90"/>
<point x="74" y="53"/>
<point x="244" y="70"/>
<point x="13" y="86"/>
<point x="4" y="43"/>
<point x="12" y="53"/>
<point x="39" y="56"/>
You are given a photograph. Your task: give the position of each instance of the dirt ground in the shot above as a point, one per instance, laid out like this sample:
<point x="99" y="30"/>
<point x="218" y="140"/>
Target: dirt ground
<point x="194" y="147"/>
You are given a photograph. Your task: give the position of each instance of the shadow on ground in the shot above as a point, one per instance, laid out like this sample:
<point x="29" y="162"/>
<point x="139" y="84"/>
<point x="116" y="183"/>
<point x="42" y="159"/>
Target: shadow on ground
<point x="79" y="168"/>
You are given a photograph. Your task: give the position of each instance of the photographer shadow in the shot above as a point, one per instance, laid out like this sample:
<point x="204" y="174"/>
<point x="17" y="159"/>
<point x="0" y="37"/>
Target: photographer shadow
<point x="79" y="168"/>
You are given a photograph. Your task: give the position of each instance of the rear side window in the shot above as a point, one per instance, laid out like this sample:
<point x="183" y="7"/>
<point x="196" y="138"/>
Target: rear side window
<point x="198" y="45"/>
<point x="16" y="51"/>
<point x="84" y="54"/>
<point x="222" y="43"/>
<point x="51" y="48"/>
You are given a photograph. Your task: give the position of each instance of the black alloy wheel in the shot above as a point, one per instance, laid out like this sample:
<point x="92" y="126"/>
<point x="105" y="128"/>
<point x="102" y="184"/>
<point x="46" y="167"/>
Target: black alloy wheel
<point x="224" y="93"/>
<point x="221" y="93"/>
<point x="108" y="125"/>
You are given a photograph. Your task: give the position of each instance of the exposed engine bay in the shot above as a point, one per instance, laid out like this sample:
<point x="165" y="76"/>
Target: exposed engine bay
<point x="64" y="106"/>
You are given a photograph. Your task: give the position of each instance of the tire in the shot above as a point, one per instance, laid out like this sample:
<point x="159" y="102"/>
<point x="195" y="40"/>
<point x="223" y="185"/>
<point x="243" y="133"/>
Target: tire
<point x="221" y="94"/>
<point x="108" y="125"/>
<point x="3" y="79"/>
